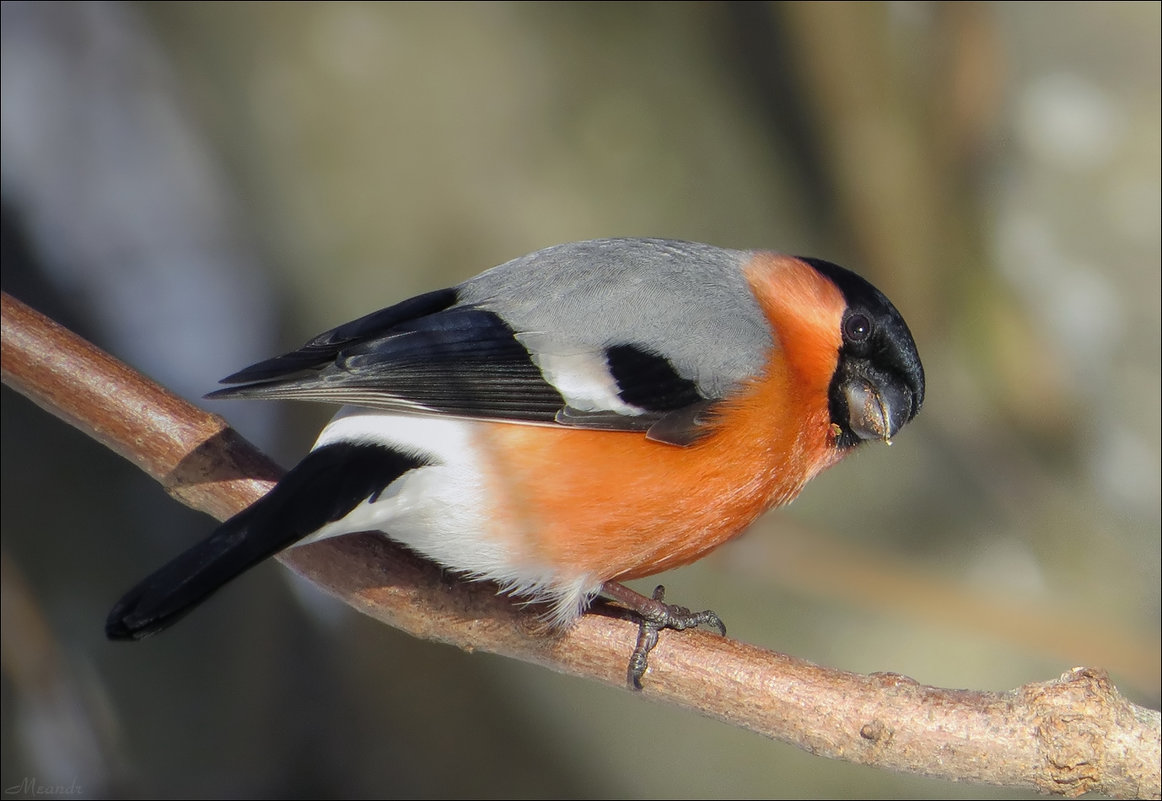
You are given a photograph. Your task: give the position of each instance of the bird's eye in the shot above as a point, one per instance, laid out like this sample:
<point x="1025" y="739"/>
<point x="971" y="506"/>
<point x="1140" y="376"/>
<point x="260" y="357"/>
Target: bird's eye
<point x="857" y="327"/>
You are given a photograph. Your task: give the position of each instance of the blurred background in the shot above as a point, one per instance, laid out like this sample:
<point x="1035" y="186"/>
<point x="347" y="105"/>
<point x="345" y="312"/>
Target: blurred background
<point x="198" y="186"/>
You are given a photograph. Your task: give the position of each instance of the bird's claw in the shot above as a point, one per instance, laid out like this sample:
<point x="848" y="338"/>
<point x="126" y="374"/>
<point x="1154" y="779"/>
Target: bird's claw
<point x="657" y="616"/>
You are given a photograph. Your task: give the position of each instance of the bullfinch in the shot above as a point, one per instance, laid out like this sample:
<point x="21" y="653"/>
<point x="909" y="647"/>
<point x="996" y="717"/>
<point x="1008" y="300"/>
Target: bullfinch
<point x="589" y="413"/>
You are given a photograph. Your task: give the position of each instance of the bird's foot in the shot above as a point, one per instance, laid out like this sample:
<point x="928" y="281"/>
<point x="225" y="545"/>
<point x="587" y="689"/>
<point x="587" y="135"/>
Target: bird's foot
<point x="655" y="614"/>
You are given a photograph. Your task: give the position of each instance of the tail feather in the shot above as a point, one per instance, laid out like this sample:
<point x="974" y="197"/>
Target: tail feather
<point x="323" y="488"/>
<point x="165" y="596"/>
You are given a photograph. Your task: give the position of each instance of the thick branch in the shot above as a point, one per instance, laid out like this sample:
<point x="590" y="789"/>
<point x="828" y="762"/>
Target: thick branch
<point x="1068" y="736"/>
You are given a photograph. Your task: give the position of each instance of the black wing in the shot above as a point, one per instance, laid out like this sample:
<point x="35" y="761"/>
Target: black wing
<point x="432" y="355"/>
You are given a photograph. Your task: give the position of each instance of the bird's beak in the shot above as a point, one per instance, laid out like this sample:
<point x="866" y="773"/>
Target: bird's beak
<point x="876" y="409"/>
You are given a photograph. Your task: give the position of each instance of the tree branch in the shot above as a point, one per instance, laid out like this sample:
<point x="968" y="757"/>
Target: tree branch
<point x="1068" y="736"/>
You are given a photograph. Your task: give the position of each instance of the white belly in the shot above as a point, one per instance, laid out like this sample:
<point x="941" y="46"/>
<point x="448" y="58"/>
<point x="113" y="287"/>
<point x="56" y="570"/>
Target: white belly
<point x="443" y="510"/>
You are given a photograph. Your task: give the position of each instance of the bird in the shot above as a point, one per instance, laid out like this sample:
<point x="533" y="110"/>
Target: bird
<point x="589" y="413"/>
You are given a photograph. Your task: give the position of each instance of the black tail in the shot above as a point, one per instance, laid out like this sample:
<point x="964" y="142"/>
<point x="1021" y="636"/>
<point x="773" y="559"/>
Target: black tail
<point x="324" y="487"/>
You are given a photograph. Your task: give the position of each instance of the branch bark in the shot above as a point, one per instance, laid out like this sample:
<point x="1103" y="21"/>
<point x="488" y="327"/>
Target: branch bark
<point x="1068" y="736"/>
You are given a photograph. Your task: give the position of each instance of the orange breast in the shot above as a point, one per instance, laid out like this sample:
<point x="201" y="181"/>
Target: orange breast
<point x="617" y="505"/>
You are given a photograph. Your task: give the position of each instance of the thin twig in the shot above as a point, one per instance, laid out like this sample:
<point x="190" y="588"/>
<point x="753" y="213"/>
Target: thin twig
<point x="1068" y="736"/>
